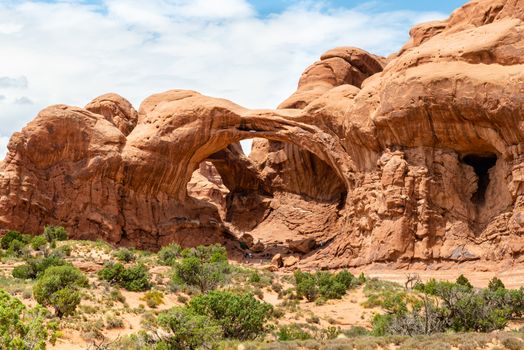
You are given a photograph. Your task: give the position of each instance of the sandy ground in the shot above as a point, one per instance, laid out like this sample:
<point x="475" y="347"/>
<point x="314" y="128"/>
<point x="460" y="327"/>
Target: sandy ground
<point x="512" y="277"/>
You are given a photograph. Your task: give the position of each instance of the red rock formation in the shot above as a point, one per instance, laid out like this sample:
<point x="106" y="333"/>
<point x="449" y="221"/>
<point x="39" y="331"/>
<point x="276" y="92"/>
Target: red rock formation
<point x="417" y="158"/>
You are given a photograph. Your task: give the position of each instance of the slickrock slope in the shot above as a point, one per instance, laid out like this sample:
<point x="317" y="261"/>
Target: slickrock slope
<point x="415" y="158"/>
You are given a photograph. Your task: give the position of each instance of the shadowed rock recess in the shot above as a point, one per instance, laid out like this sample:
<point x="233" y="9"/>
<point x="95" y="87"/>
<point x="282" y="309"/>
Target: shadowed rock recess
<point x="418" y="157"/>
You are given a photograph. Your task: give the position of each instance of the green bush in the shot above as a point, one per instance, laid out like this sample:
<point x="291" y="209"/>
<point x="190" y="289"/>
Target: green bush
<point x="455" y="306"/>
<point x="11" y="236"/>
<point x="58" y="287"/>
<point x="323" y="284"/>
<point x="65" y="301"/>
<point x="62" y="251"/>
<point x="194" y="272"/>
<point x="169" y="254"/>
<point x="211" y="254"/>
<point x="38" y="242"/>
<point x="463" y="281"/>
<point x="24" y="272"/>
<point x="495" y="284"/>
<point x="134" y="278"/>
<point x="241" y="316"/>
<point x="187" y="330"/>
<point x="22" y="328"/>
<point x="16" y="248"/>
<point x="36" y="266"/>
<point x="55" y="233"/>
<point x="205" y="267"/>
<point x="125" y="255"/>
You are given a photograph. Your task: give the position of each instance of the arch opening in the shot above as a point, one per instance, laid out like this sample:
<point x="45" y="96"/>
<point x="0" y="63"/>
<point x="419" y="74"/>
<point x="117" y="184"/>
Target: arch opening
<point x="481" y="164"/>
<point x="275" y="176"/>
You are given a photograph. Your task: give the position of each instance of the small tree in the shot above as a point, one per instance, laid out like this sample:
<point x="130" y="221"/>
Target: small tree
<point x="58" y="287"/>
<point x="187" y="330"/>
<point x="241" y="316"/>
<point x="55" y="233"/>
<point x="495" y="284"/>
<point x="463" y="281"/>
<point x="10" y="236"/>
<point x="169" y="254"/>
<point x="206" y="276"/>
<point x="135" y="278"/>
<point x="323" y="284"/>
<point x="36" y="266"/>
<point x="38" y="242"/>
<point x="125" y="255"/>
<point x="17" y="248"/>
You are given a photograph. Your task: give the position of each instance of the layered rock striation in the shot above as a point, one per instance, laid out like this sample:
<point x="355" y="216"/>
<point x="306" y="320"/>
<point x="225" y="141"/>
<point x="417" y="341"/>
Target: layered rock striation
<point x="418" y="157"/>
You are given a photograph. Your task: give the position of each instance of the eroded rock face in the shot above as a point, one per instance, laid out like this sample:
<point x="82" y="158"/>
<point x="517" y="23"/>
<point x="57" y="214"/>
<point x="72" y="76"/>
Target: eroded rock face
<point x="414" y="158"/>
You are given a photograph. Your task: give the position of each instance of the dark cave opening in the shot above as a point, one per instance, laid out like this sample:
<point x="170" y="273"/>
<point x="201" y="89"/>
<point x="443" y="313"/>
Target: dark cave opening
<point x="481" y="163"/>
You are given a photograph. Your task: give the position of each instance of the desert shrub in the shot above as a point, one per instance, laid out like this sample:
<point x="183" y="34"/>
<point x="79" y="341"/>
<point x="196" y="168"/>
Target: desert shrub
<point x="55" y="233"/>
<point x="116" y="295"/>
<point x="11" y="236"/>
<point x="452" y="306"/>
<point x="62" y="251"/>
<point x="211" y="254"/>
<point x="468" y="309"/>
<point x="254" y="277"/>
<point x="356" y="331"/>
<point x="65" y="301"/>
<point x="112" y="321"/>
<point x="134" y="278"/>
<point x="153" y="298"/>
<point x="23" y="272"/>
<point x="323" y="284"/>
<point x="292" y="332"/>
<point x="22" y="328"/>
<point x="187" y="330"/>
<point x="169" y="254"/>
<point x="463" y="281"/>
<point x="38" y="242"/>
<point x="495" y="284"/>
<point x="241" y="316"/>
<point x="16" y="248"/>
<point x="58" y="287"/>
<point x="194" y="272"/>
<point x="36" y="266"/>
<point x="182" y="299"/>
<point x="203" y="267"/>
<point x="512" y="343"/>
<point x="125" y="255"/>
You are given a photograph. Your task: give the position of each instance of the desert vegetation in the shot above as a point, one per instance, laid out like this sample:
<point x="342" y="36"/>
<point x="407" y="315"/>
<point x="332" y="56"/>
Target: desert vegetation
<point x="82" y="294"/>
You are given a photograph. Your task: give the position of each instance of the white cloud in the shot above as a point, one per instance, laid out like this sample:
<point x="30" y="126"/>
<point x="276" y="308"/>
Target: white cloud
<point x="72" y="52"/>
<point x="13" y="82"/>
<point x="24" y="100"/>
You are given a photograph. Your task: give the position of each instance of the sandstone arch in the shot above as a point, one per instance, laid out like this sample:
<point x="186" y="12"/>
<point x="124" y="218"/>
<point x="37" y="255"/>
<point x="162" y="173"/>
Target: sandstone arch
<point x="177" y="134"/>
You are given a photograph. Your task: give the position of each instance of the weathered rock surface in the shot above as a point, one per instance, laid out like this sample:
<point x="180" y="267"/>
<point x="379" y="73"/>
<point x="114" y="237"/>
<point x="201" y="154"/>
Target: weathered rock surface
<point x="418" y="158"/>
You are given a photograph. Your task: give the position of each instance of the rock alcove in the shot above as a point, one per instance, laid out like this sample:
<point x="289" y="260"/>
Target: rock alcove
<point x="481" y="163"/>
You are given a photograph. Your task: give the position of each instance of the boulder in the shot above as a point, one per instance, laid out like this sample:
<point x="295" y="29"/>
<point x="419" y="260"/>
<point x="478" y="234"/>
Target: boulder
<point x="302" y="246"/>
<point x="277" y="261"/>
<point x="291" y="260"/>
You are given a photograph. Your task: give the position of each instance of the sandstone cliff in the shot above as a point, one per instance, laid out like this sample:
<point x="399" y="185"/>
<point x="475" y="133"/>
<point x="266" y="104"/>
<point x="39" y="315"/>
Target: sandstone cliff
<point x="417" y="157"/>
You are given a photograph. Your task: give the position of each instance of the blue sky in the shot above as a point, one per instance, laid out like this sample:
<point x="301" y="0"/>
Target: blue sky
<point x="248" y="51"/>
<point x="267" y="7"/>
<point x="447" y="6"/>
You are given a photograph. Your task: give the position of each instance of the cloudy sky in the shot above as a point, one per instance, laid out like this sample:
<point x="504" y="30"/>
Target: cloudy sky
<point x="249" y="51"/>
